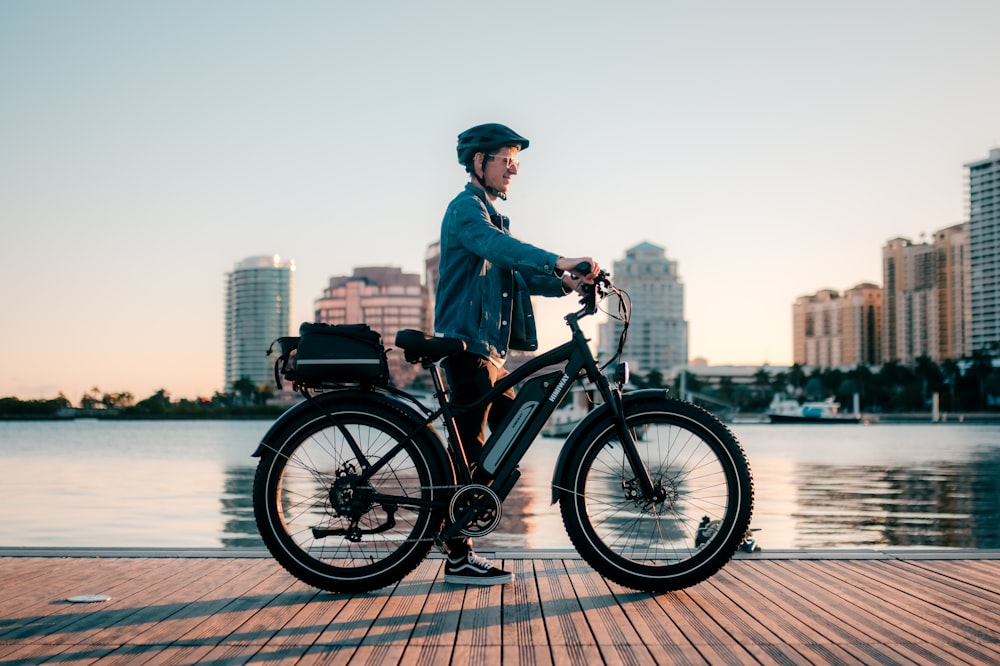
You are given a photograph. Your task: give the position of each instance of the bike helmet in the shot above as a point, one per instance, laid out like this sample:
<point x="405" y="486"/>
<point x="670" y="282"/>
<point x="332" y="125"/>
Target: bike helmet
<point x="485" y="139"/>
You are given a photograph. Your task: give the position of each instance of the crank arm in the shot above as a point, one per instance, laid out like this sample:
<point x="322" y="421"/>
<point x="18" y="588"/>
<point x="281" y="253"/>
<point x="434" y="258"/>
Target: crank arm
<point x="453" y="530"/>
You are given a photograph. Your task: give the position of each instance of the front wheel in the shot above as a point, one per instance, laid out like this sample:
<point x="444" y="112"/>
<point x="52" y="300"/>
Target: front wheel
<point x="345" y="501"/>
<point x="694" y="521"/>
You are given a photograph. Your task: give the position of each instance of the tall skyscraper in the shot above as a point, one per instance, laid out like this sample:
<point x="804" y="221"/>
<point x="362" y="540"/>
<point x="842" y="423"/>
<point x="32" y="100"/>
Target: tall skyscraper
<point x="258" y="310"/>
<point x="984" y="252"/>
<point x="658" y="333"/>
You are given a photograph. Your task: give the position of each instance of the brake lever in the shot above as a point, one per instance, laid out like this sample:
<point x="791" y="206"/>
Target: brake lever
<point x="591" y="292"/>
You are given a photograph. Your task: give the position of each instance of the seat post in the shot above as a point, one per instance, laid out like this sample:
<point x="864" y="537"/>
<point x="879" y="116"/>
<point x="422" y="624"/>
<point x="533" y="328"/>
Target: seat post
<point x="455" y="448"/>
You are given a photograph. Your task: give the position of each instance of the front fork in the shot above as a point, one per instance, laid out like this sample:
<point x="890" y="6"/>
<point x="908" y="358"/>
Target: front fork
<point x="613" y="395"/>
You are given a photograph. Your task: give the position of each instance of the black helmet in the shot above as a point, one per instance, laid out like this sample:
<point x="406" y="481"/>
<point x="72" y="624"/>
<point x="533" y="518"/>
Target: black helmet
<point x="485" y="138"/>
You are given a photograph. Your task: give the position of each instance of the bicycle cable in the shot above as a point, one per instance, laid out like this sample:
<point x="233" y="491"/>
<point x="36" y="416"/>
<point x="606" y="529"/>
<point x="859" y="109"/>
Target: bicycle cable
<point x="623" y="315"/>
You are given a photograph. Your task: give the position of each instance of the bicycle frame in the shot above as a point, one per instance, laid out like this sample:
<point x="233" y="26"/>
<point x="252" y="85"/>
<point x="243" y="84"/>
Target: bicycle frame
<point x="531" y="409"/>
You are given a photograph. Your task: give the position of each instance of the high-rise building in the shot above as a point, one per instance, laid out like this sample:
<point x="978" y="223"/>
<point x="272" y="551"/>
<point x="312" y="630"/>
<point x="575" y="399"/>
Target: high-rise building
<point x="830" y="330"/>
<point x="817" y="335"/>
<point x="258" y="310"/>
<point x="926" y="310"/>
<point x="658" y="333"/>
<point x="951" y="245"/>
<point x="910" y="305"/>
<point x="383" y="297"/>
<point x="862" y="325"/>
<point x="984" y="252"/>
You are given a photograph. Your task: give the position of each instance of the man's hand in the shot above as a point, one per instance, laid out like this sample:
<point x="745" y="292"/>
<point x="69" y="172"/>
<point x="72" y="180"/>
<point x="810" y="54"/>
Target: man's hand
<point x="571" y="277"/>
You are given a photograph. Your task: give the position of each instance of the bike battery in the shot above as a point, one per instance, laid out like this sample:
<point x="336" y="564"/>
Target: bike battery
<point x="507" y="438"/>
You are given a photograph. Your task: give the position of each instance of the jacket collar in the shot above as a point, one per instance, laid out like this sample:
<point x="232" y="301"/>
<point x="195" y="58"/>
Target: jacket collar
<point x="480" y="194"/>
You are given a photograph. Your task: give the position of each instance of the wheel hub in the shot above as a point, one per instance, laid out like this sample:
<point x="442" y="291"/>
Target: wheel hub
<point x="664" y="491"/>
<point x="347" y="496"/>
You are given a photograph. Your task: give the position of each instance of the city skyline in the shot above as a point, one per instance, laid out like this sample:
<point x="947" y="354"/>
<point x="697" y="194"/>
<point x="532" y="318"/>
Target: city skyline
<point x="771" y="150"/>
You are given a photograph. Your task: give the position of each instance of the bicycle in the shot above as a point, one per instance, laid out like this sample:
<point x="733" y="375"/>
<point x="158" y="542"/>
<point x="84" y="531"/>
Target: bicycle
<point x="354" y="485"/>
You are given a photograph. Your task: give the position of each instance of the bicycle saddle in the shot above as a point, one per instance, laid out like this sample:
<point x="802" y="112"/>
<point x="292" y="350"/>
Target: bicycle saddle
<point x="417" y="346"/>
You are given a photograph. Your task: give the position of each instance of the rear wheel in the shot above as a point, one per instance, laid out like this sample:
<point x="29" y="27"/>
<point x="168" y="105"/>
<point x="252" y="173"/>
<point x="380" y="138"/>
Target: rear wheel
<point x="330" y="521"/>
<point x="694" y="521"/>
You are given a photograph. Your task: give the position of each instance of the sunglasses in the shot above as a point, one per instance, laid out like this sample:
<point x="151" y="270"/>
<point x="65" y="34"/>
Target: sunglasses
<point x="508" y="161"/>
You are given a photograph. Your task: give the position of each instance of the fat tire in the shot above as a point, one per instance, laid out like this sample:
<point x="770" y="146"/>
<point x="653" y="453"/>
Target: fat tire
<point x="664" y="546"/>
<point x="293" y="485"/>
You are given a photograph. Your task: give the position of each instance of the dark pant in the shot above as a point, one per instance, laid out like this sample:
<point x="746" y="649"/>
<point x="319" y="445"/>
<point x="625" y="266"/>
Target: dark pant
<point x="471" y="376"/>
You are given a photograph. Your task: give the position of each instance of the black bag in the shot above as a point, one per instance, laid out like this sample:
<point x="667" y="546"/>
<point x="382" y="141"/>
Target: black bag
<point x="323" y="354"/>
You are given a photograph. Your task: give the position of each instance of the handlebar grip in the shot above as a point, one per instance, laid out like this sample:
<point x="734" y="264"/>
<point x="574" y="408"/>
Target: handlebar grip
<point x="583" y="268"/>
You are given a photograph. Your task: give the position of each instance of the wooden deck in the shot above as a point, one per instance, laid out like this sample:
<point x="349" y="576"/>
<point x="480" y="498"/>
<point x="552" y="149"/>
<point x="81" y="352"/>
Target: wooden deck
<point x="772" y="608"/>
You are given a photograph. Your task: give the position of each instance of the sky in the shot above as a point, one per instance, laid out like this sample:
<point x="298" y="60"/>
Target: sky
<point x="771" y="148"/>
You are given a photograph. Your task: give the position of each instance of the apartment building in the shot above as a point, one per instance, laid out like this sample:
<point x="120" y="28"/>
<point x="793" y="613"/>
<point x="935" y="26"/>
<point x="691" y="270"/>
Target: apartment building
<point x="910" y="312"/>
<point x="922" y="309"/>
<point x="862" y="325"/>
<point x="951" y="247"/>
<point x="833" y="330"/>
<point x="817" y="325"/>
<point x="927" y="309"/>
<point x="383" y="297"/>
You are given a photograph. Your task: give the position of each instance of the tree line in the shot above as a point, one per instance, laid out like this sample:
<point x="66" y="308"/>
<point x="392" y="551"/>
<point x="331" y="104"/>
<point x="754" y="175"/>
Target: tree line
<point x="245" y="400"/>
<point x="968" y="385"/>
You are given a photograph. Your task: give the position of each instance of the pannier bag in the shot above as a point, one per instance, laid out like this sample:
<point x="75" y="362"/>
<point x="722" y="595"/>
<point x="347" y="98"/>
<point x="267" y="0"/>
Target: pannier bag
<point x="323" y="354"/>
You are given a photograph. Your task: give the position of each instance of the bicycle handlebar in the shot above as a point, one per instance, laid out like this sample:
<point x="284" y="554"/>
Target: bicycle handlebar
<point x="591" y="292"/>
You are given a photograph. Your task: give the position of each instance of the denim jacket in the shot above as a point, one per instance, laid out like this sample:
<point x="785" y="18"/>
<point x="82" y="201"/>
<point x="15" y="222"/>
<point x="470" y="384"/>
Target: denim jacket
<point x="486" y="278"/>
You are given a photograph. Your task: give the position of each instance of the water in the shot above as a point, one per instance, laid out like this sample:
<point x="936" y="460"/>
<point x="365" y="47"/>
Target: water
<point x="187" y="484"/>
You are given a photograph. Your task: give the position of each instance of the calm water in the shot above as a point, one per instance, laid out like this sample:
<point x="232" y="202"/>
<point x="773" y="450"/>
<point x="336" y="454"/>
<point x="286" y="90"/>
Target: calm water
<point x="188" y="484"/>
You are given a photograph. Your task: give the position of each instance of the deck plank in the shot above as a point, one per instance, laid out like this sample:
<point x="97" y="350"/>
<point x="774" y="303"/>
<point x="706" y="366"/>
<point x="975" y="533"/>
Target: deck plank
<point x="163" y="611"/>
<point x="569" y="635"/>
<point x="889" y="625"/>
<point x="912" y="613"/>
<point x="524" y="637"/>
<point x="617" y="639"/>
<point x="784" y="616"/>
<point x="185" y="610"/>
<point x="822" y="617"/>
<point x="54" y="616"/>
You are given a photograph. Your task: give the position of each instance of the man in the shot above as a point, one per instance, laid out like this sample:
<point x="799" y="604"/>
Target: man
<point x="485" y="281"/>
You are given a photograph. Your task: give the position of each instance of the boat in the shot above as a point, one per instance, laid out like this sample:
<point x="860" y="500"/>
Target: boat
<point x="789" y="410"/>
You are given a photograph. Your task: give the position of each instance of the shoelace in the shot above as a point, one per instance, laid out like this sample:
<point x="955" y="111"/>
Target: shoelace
<point x="479" y="561"/>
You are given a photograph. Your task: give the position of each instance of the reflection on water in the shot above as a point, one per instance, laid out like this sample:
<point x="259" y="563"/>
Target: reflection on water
<point x="239" y="530"/>
<point x="925" y="485"/>
<point x="946" y="504"/>
<point x="189" y="484"/>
